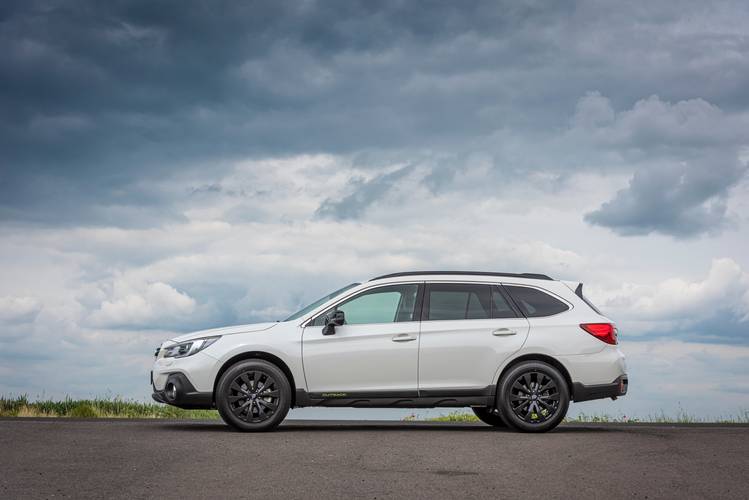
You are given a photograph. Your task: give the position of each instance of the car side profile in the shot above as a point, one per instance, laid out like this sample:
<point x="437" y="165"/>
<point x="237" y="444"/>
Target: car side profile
<point x="516" y="348"/>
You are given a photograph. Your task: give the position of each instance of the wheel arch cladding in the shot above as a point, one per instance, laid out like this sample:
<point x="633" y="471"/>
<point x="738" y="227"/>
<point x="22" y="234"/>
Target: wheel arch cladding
<point x="545" y="359"/>
<point x="258" y="355"/>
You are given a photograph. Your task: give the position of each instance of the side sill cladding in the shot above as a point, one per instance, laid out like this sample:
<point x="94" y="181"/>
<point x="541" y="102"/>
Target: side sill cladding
<point x="398" y="399"/>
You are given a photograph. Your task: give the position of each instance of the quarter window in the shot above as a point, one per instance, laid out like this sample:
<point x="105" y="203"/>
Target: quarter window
<point x="535" y="303"/>
<point x="386" y="304"/>
<point x="500" y="307"/>
<point x="458" y="301"/>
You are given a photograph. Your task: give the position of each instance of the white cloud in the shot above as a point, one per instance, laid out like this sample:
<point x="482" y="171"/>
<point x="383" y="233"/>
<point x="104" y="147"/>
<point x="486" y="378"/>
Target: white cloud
<point x="142" y="304"/>
<point x="15" y="310"/>
<point x="653" y="124"/>
<point x="679" y="302"/>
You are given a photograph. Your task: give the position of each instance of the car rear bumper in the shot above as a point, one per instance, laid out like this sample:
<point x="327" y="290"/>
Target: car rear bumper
<point x="615" y="389"/>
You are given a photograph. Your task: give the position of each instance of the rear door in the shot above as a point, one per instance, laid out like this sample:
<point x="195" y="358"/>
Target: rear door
<point x="467" y="331"/>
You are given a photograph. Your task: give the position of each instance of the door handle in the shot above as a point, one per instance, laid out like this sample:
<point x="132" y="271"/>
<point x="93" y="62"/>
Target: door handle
<point x="503" y="332"/>
<point x="404" y="337"/>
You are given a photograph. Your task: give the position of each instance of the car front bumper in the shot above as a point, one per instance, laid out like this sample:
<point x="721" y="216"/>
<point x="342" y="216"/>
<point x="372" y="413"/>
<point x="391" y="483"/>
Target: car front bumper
<point x="178" y="391"/>
<point x="184" y="382"/>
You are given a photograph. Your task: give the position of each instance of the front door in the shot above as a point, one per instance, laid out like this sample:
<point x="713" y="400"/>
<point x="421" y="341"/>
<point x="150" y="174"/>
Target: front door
<point x="467" y="331"/>
<point x="376" y="349"/>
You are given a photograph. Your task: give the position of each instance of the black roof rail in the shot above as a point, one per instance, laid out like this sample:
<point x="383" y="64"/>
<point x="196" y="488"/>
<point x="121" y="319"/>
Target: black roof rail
<point x="534" y="276"/>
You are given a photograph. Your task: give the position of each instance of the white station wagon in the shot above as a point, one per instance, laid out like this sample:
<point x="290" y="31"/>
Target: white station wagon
<point x="516" y="348"/>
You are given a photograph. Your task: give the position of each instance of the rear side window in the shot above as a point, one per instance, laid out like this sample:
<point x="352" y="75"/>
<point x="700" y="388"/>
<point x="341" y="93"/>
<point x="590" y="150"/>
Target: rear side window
<point x="535" y="303"/>
<point x="447" y="301"/>
<point x="500" y="307"/>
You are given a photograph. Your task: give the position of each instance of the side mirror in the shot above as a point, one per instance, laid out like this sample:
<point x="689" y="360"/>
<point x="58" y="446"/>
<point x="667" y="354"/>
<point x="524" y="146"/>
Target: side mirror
<point x="336" y="318"/>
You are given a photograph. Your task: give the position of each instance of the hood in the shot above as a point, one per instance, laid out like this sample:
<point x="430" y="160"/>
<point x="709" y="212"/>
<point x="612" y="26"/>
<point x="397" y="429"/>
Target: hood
<point x="227" y="330"/>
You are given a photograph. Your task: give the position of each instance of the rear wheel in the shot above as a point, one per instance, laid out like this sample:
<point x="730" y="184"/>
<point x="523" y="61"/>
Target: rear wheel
<point x="489" y="416"/>
<point x="533" y="397"/>
<point x="253" y="396"/>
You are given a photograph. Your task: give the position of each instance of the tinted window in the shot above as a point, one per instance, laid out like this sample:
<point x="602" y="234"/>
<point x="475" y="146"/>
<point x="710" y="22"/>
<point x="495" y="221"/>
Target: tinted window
<point x="535" y="303"/>
<point x="448" y="301"/>
<point x="386" y="304"/>
<point x="319" y="302"/>
<point x="500" y="307"/>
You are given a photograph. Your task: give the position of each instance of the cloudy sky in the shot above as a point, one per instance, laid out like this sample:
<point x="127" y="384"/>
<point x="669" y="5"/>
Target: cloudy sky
<point x="167" y="167"/>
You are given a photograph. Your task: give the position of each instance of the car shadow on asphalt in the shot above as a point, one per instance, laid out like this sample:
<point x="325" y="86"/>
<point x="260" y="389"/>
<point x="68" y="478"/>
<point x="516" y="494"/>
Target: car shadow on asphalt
<point x="388" y="427"/>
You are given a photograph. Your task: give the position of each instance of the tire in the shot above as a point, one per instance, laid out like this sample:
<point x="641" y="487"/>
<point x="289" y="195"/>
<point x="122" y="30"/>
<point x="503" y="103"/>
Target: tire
<point x="253" y="396"/>
<point x="489" y="416"/>
<point x="533" y="397"/>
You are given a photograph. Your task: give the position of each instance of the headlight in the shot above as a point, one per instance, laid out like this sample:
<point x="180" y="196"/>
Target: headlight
<point x="184" y="349"/>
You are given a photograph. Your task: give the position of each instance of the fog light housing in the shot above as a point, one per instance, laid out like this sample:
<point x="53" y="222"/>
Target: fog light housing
<point x="170" y="391"/>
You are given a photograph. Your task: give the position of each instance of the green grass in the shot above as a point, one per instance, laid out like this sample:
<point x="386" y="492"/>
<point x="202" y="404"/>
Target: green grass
<point x="681" y="417"/>
<point x="456" y="416"/>
<point x="113" y="407"/>
<point x="116" y="407"/>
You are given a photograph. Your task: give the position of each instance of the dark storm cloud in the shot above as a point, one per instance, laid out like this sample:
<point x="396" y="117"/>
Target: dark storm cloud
<point x="689" y="156"/>
<point x="97" y="96"/>
<point x="680" y="200"/>
<point x="100" y="99"/>
<point x="364" y="193"/>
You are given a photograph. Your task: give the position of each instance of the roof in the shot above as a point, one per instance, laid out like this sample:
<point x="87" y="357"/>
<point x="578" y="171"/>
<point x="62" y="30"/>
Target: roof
<point x="535" y="276"/>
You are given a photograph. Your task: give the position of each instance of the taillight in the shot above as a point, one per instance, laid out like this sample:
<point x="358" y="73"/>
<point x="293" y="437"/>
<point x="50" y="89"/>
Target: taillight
<point x="602" y="331"/>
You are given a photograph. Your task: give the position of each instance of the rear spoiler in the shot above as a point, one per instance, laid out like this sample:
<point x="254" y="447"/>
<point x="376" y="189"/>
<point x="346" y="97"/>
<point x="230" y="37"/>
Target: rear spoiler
<point x="575" y="286"/>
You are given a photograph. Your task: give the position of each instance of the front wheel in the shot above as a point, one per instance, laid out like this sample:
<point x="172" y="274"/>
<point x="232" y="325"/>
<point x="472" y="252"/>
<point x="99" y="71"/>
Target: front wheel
<point x="533" y="397"/>
<point x="489" y="416"/>
<point x="253" y="396"/>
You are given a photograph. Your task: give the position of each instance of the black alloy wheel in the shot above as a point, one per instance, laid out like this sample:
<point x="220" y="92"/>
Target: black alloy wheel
<point x="533" y="397"/>
<point x="253" y="395"/>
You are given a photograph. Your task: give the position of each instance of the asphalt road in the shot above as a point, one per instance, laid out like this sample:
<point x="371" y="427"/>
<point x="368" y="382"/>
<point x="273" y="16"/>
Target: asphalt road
<point x="166" y="459"/>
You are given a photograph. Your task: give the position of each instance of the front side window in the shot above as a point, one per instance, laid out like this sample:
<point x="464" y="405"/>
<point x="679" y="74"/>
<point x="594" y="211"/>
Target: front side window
<point x="320" y="302"/>
<point x="447" y="301"/>
<point x="386" y="304"/>
<point x="535" y="303"/>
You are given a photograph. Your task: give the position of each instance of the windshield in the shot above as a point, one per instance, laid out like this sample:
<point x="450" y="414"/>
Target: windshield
<point x="320" y="302"/>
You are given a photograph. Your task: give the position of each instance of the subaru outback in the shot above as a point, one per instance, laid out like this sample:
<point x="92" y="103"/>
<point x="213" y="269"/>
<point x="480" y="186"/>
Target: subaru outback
<point x="515" y="348"/>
